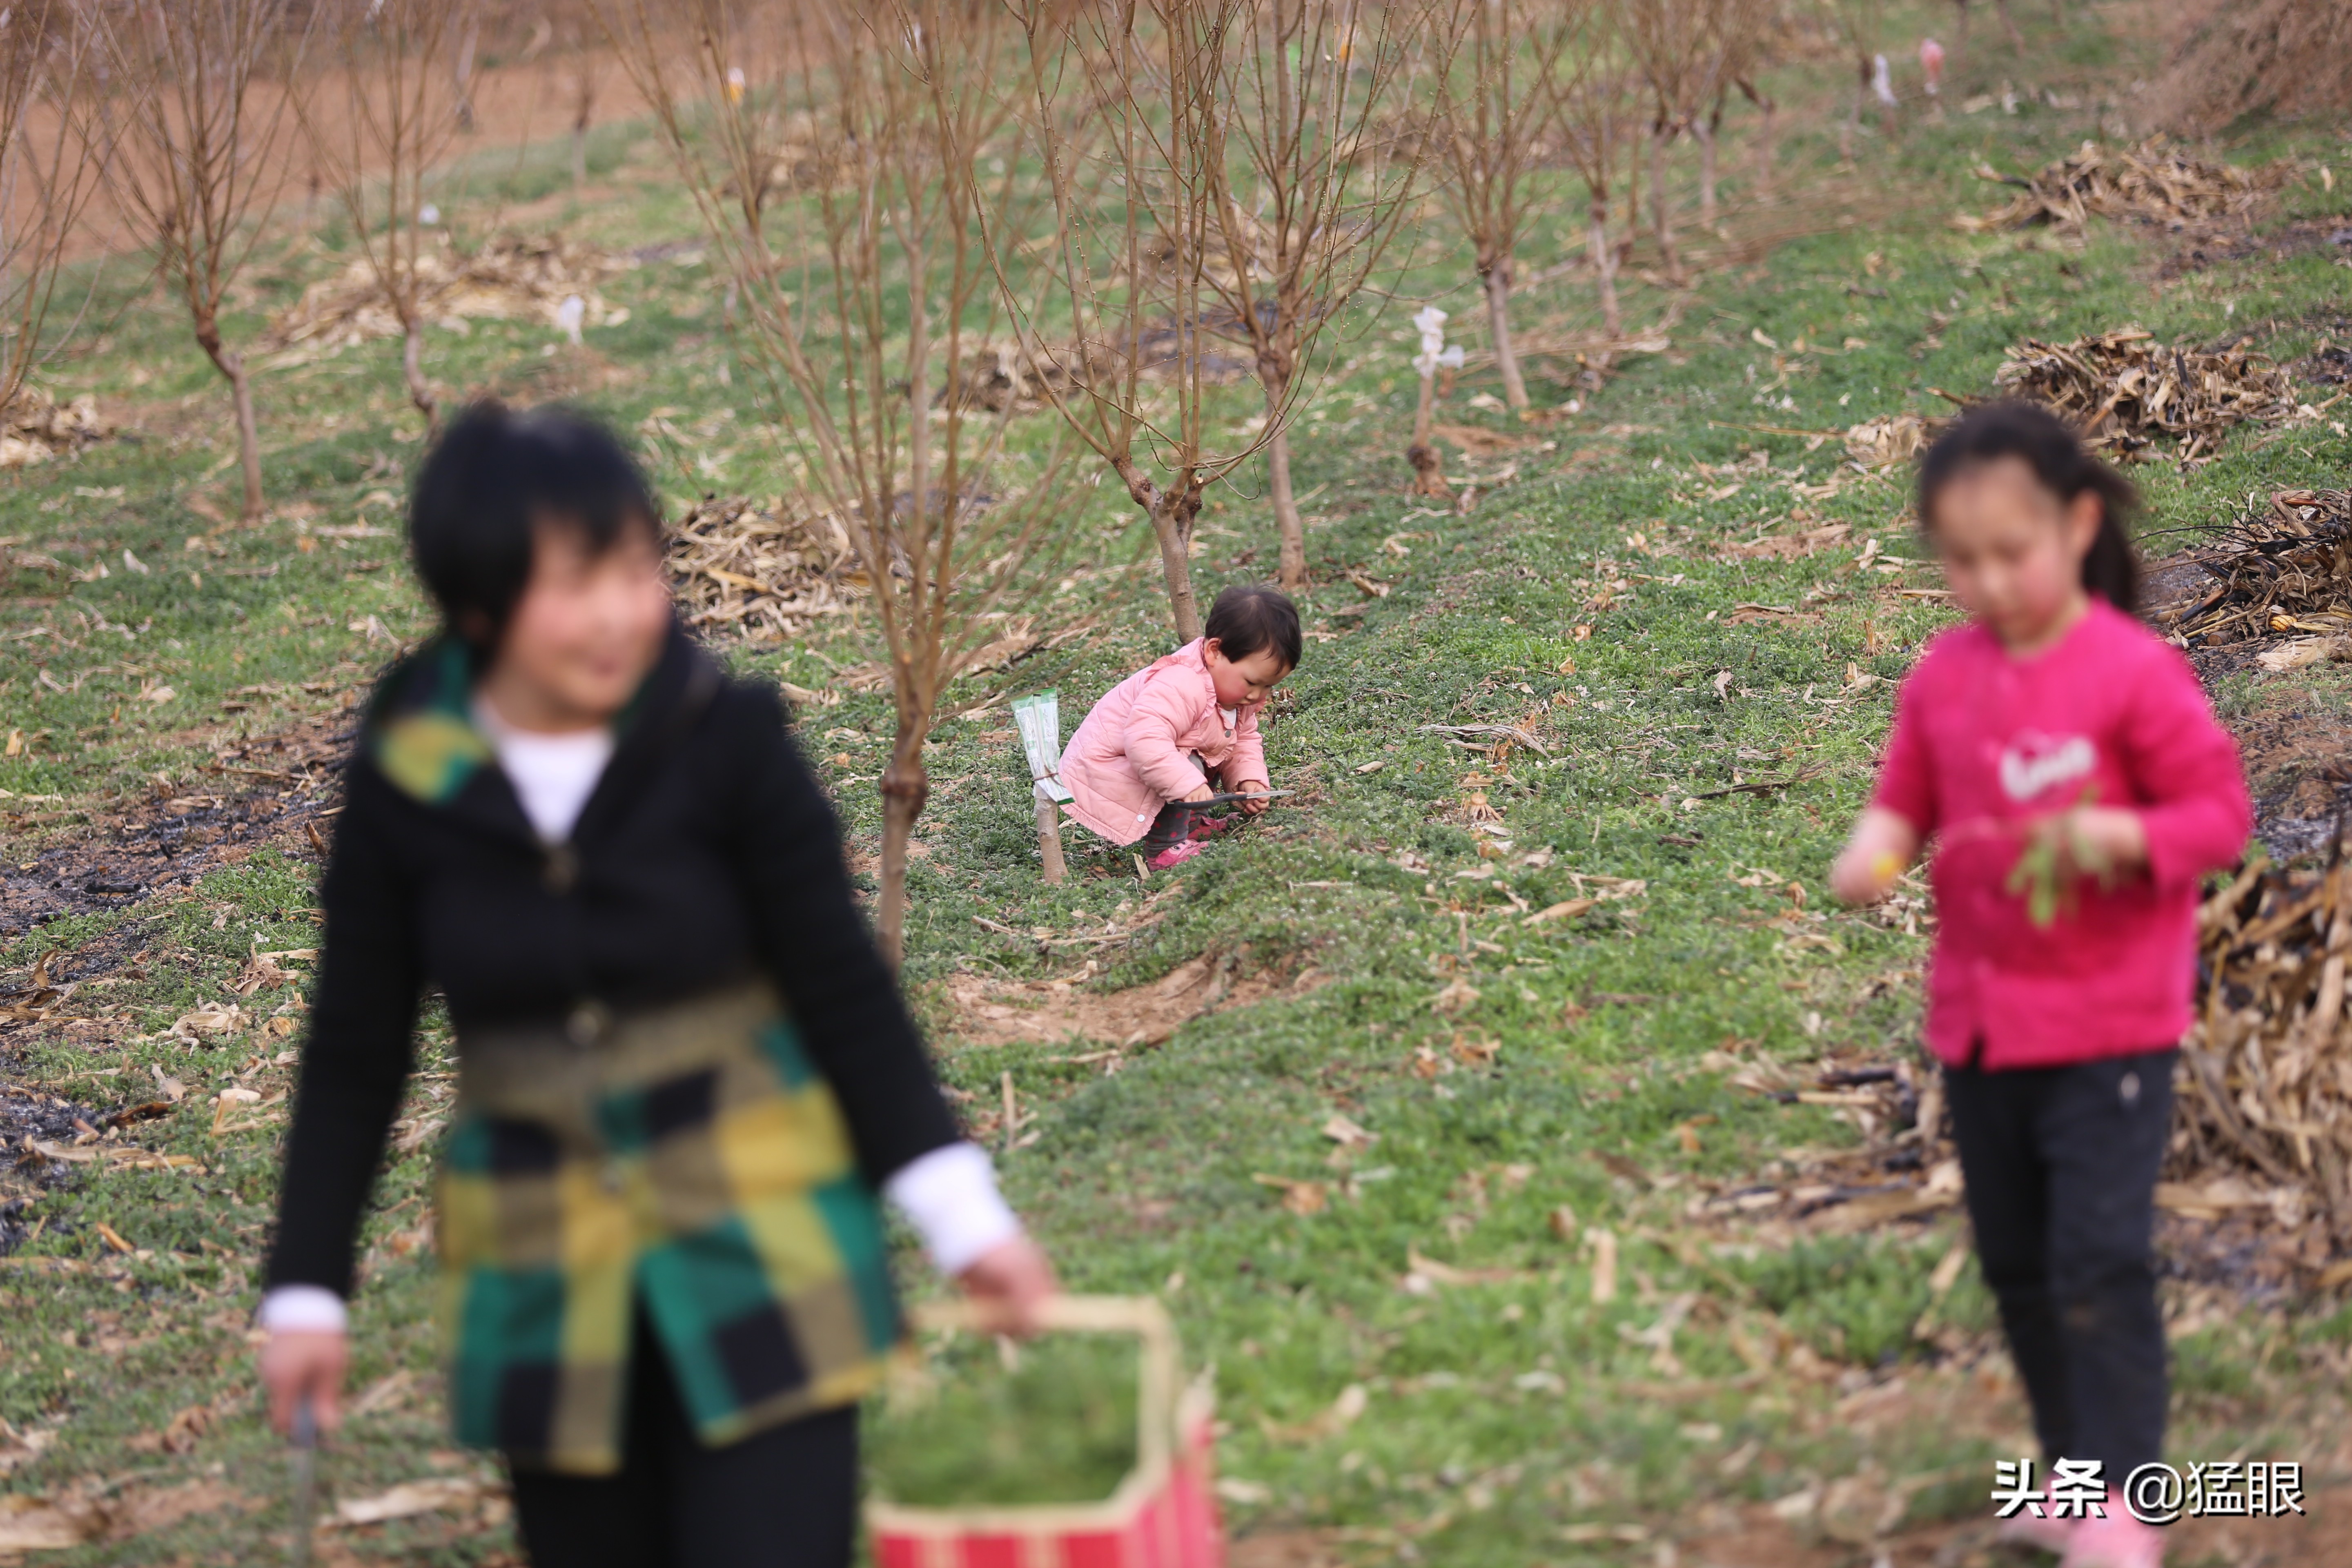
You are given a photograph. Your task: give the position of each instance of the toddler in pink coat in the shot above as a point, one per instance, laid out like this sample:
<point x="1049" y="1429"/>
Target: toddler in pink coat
<point x="2065" y="766"/>
<point x="1157" y="739"/>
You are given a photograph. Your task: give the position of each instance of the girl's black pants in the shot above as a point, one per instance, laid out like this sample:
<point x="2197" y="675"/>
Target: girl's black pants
<point x="2060" y="1165"/>
<point x="784" y="1497"/>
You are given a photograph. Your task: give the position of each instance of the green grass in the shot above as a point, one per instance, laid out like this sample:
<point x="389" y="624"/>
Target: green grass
<point x="1496" y="1413"/>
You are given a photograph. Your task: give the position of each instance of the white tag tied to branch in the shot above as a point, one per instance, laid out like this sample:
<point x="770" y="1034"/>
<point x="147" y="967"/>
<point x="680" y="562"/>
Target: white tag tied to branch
<point x="1431" y="321"/>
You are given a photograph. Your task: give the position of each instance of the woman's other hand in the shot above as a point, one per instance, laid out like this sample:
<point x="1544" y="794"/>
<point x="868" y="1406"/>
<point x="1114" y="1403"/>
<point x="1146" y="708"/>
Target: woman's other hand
<point x="299" y="1364"/>
<point x="1012" y="1280"/>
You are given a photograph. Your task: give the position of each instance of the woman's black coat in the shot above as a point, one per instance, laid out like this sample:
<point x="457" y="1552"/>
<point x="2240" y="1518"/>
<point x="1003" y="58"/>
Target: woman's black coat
<point x="706" y="857"/>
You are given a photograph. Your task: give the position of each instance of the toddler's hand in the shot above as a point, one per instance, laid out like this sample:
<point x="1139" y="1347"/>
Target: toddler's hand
<point x="1202" y="790"/>
<point x="1013" y="1279"/>
<point x="1253" y="787"/>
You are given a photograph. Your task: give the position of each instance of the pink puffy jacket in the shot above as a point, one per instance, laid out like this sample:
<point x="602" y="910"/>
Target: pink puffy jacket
<point x="1148" y="742"/>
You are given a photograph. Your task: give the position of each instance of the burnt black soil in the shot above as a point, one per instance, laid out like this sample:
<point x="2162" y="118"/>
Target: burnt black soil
<point x="2202" y="251"/>
<point x="2297" y="748"/>
<point x="276" y="789"/>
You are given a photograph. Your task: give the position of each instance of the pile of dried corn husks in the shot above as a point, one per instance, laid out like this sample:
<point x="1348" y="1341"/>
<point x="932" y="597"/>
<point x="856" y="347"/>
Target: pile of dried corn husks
<point x="2283" y="568"/>
<point x="742" y="569"/>
<point x="509" y="278"/>
<point x="2122" y="389"/>
<point x="2154" y="181"/>
<point x="36" y="426"/>
<point x="2265" y="1083"/>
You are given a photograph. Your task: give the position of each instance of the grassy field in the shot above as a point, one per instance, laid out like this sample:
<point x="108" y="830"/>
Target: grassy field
<point x="1504" y="1310"/>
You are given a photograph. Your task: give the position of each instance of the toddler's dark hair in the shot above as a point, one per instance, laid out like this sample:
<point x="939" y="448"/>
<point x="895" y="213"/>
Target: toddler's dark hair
<point x="1247" y="620"/>
<point x="2045" y="444"/>
<point x="493" y="476"/>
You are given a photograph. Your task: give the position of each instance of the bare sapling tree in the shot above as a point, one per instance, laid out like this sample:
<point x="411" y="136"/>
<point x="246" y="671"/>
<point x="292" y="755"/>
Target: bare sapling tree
<point x="48" y="170"/>
<point x="1860" y="25"/>
<point x="1312" y="176"/>
<point x="194" y="154"/>
<point x="1748" y="28"/>
<point x="1494" y="117"/>
<point x="860" y="278"/>
<point x="1735" y="39"/>
<point x="1668" y="40"/>
<point x="377" y="119"/>
<point x="1594" y="115"/>
<point x="1120" y="102"/>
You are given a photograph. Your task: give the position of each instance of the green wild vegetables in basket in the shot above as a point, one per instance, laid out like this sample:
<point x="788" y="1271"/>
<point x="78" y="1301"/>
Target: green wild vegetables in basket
<point x="1052" y="1421"/>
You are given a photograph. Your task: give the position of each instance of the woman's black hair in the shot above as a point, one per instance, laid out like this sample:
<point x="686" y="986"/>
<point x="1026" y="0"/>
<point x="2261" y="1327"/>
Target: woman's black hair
<point x="1247" y="620"/>
<point x="2044" y="443"/>
<point x="491" y="479"/>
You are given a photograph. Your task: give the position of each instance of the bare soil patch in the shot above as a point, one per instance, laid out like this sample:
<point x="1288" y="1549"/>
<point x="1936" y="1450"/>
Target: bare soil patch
<point x="994" y="1013"/>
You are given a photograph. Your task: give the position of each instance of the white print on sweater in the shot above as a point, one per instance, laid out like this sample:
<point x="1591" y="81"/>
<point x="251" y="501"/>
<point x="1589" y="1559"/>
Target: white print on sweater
<point x="2034" y="763"/>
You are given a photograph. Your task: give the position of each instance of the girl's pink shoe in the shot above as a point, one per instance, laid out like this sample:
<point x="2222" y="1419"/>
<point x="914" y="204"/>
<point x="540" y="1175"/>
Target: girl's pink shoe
<point x="2118" y="1540"/>
<point x="1207" y="826"/>
<point x="1175" y="855"/>
<point x="2051" y="1535"/>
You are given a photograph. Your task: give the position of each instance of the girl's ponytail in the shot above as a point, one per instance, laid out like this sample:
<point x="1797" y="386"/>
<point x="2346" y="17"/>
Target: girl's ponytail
<point x="2041" y="440"/>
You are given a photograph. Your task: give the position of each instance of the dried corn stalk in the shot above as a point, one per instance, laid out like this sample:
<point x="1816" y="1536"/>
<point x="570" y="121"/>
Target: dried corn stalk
<point x="2153" y="183"/>
<point x="509" y="278"/>
<point x="2283" y="568"/>
<point x="763" y="575"/>
<point x="2265" y="1077"/>
<point x="2122" y="389"/>
<point x="36" y="426"/>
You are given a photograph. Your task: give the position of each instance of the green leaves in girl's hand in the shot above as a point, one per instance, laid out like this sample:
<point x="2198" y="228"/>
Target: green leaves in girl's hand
<point x="2057" y="856"/>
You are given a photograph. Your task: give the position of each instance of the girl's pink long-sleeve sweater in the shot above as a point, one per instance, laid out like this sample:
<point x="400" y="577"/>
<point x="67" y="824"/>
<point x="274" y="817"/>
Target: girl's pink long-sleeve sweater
<point x="1984" y="745"/>
<point x="1134" y="751"/>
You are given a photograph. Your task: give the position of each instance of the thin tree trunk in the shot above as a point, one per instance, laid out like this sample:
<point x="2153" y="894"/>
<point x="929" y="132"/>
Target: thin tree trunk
<point x="1174" y="532"/>
<point x="1702" y="126"/>
<point x="1852" y="123"/>
<point x="582" y="114"/>
<point x="248" y="434"/>
<point x="1632" y="198"/>
<point x="412" y="366"/>
<point x="464" y="74"/>
<point x="1661" y="212"/>
<point x="1498" y="321"/>
<point x="1764" y="142"/>
<point x="1604" y="266"/>
<point x="905" y="788"/>
<point x="1428" y="470"/>
<point x="1288" y="522"/>
<point x="2009" y="26"/>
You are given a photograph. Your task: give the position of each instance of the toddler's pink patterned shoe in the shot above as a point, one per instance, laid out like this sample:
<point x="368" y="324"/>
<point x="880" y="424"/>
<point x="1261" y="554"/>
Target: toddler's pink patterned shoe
<point x="1175" y="855"/>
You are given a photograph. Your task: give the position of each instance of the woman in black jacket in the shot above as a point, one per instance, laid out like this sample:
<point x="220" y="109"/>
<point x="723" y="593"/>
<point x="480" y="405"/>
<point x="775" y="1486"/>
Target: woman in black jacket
<point x="684" y="1070"/>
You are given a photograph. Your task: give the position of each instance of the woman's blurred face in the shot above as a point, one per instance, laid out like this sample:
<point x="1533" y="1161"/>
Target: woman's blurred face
<point x="586" y="632"/>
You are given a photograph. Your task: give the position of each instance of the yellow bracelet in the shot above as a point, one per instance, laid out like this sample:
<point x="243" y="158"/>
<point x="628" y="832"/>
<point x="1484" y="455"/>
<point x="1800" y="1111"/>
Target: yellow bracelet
<point x="1887" y="866"/>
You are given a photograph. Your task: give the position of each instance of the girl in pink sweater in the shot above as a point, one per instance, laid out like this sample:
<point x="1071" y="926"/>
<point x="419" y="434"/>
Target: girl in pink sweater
<point x="2075" y="784"/>
<point x="1153" y="742"/>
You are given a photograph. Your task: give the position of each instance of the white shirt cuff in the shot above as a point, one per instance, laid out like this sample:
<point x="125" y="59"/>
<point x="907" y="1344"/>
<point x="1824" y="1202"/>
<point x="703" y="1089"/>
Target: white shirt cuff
<point x="950" y="1196"/>
<point x="302" y="1309"/>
